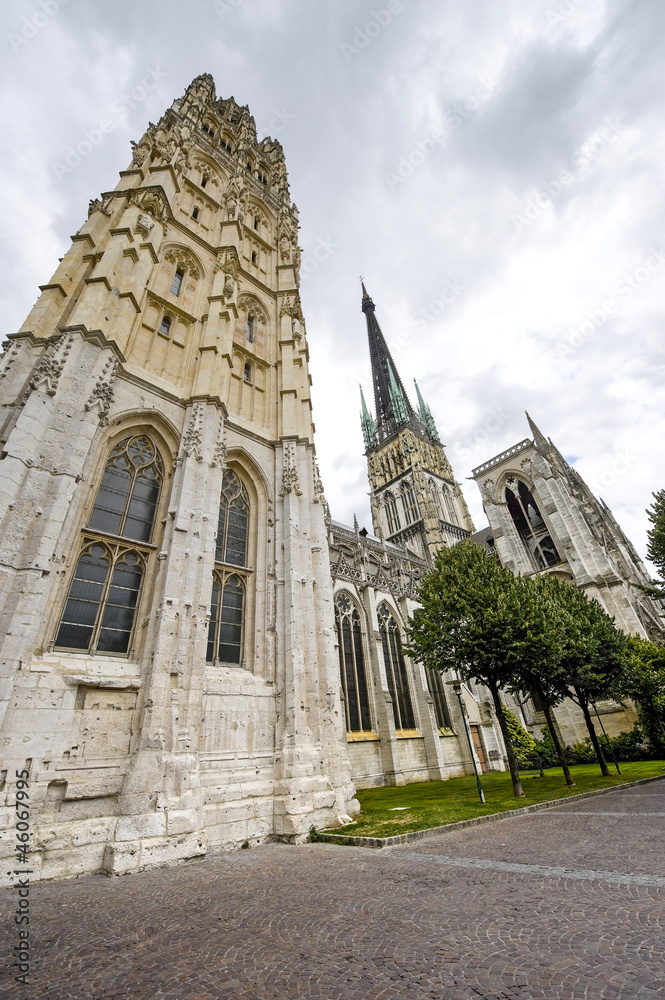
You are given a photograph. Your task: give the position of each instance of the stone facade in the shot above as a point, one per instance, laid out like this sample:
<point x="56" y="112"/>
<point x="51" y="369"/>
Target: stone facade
<point x="168" y="354"/>
<point x="192" y="652"/>
<point x="398" y="733"/>
<point x="545" y="519"/>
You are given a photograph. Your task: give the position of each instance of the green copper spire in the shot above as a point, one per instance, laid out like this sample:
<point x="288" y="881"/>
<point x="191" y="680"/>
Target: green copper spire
<point x="368" y="423"/>
<point x="425" y="415"/>
<point x="397" y="400"/>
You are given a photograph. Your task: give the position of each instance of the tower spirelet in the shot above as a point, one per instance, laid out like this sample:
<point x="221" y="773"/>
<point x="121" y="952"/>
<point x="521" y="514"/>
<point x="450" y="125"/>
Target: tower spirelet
<point x="367" y="422"/>
<point x="425" y="415"/>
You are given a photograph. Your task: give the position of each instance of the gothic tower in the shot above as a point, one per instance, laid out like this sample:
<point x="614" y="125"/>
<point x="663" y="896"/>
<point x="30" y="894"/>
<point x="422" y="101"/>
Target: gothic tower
<point x="168" y="668"/>
<point x="545" y="519"/>
<point x="414" y="497"/>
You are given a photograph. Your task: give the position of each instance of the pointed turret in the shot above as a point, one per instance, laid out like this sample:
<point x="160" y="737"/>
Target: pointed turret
<point x="539" y="439"/>
<point x="367" y="422"/>
<point x="425" y="415"/>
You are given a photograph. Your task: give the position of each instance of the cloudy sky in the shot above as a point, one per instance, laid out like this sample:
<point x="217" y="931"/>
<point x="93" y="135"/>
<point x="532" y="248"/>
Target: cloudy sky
<point x="493" y="170"/>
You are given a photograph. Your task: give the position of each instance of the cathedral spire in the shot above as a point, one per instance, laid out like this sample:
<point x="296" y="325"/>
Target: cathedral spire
<point x="393" y="409"/>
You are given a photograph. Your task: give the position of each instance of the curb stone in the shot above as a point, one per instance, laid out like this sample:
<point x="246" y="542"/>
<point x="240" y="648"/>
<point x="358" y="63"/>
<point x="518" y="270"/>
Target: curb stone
<point x="435" y="831"/>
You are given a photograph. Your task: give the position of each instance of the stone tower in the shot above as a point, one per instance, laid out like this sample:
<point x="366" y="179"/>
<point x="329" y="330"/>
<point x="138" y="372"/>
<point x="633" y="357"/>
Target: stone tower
<point x="414" y="497"/>
<point x="544" y="518"/>
<point x="168" y="667"/>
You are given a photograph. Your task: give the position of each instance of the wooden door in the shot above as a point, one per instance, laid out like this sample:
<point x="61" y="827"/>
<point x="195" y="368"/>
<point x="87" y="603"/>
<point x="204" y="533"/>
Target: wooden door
<point x="478" y="747"/>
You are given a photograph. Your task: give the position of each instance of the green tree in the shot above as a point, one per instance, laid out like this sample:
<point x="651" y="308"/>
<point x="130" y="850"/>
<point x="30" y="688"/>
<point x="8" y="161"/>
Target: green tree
<point x="594" y="656"/>
<point x="524" y="745"/>
<point x="644" y="682"/>
<point x="472" y="620"/>
<point x="656" y="541"/>
<point x="541" y="672"/>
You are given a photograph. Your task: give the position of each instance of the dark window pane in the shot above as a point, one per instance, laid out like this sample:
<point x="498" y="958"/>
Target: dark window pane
<point x="73" y="637"/>
<point x="363" y="699"/>
<point x="111" y="500"/>
<point x="112" y="641"/>
<point x="84" y="590"/>
<point x="80" y="612"/>
<point x="353" y="718"/>
<point x="221" y="528"/>
<point x="230" y="629"/>
<point x="118" y="617"/>
<point x="176" y="284"/>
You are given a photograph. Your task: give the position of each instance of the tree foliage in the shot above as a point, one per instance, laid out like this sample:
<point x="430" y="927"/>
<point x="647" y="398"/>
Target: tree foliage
<point x="539" y="635"/>
<point x="474" y="618"/>
<point x="656" y="539"/>
<point x="644" y="682"/>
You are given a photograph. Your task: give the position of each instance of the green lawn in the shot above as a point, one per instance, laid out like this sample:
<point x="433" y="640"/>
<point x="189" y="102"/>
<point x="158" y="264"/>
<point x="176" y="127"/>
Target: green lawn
<point x="390" y="811"/>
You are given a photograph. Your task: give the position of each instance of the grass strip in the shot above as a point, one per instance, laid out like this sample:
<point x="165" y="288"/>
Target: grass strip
<point x="389" y="812"/>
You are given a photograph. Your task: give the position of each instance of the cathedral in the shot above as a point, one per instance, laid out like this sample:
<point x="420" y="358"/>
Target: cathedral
<point x="193" y="652"/>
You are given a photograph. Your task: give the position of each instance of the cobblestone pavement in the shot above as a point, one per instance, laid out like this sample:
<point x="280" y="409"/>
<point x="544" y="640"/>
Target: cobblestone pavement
<point x="489" y="912"/>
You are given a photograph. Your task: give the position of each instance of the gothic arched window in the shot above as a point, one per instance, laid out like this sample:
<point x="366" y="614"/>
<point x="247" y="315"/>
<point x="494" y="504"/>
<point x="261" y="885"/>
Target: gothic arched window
<point x="227" y="613"/>
<point x="228" y="605"/>
<point x="530" y="525"/>
<point x="398" y="682"/>
<point x="176" y="284"/>
<point x="392" y="514"/>
<point x="129" y="492"/>
<point x="352" y="666"/>
<point x="100" y="611"/>
<point x="436" y="499"/>
<point x="409" y="502"/>
<point x="450" y="504"/>
<point x="438" y="693"/>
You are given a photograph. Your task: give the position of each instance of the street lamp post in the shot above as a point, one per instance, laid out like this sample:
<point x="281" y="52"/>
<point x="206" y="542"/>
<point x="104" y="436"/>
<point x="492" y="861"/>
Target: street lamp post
<point x="611" y="748"/>
<point x="457" y="688"/>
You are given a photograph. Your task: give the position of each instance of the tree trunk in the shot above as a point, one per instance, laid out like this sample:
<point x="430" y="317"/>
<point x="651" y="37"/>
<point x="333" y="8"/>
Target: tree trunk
<point x="510" y="753"/>
<point x="583" y="702"/>
<point x="555" y="736"/>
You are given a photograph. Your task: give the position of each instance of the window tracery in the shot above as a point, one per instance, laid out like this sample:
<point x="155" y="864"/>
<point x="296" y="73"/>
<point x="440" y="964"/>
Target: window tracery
<point x="392" y="513"/>
<point x="100" y="610"/>
<point x="230" y="576"/>
<point x="530" y="525"/>
<point x="398" y="681"/>
<point x="449" y="504"/>
<point x="409" y="503"/>
<point x="352" y="666"/>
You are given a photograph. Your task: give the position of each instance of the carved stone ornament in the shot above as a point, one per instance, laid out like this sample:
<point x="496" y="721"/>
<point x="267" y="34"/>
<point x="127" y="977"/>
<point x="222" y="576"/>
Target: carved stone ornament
<point x="192" y="441"/>
<point x="144" y="224"/>
<point x="489" y="490"/>
<point x="319" y="496"/>
<point x="285" y="249"/>
<point x="101" y="397"/>
<point x="290" y="482"/>
<point x="151" y="203"/>
<point x="219" y="451"/>
<point x="182" y="256"/>
<point x="49" y="369"/>
<point x="99" y="205"/>
<point x="227" y="261"/>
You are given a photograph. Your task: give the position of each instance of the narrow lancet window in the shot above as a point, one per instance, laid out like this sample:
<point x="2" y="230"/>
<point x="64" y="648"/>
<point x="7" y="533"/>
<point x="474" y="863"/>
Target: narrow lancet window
<point x="396" y="674"/>
<point x="352" y="666"/>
